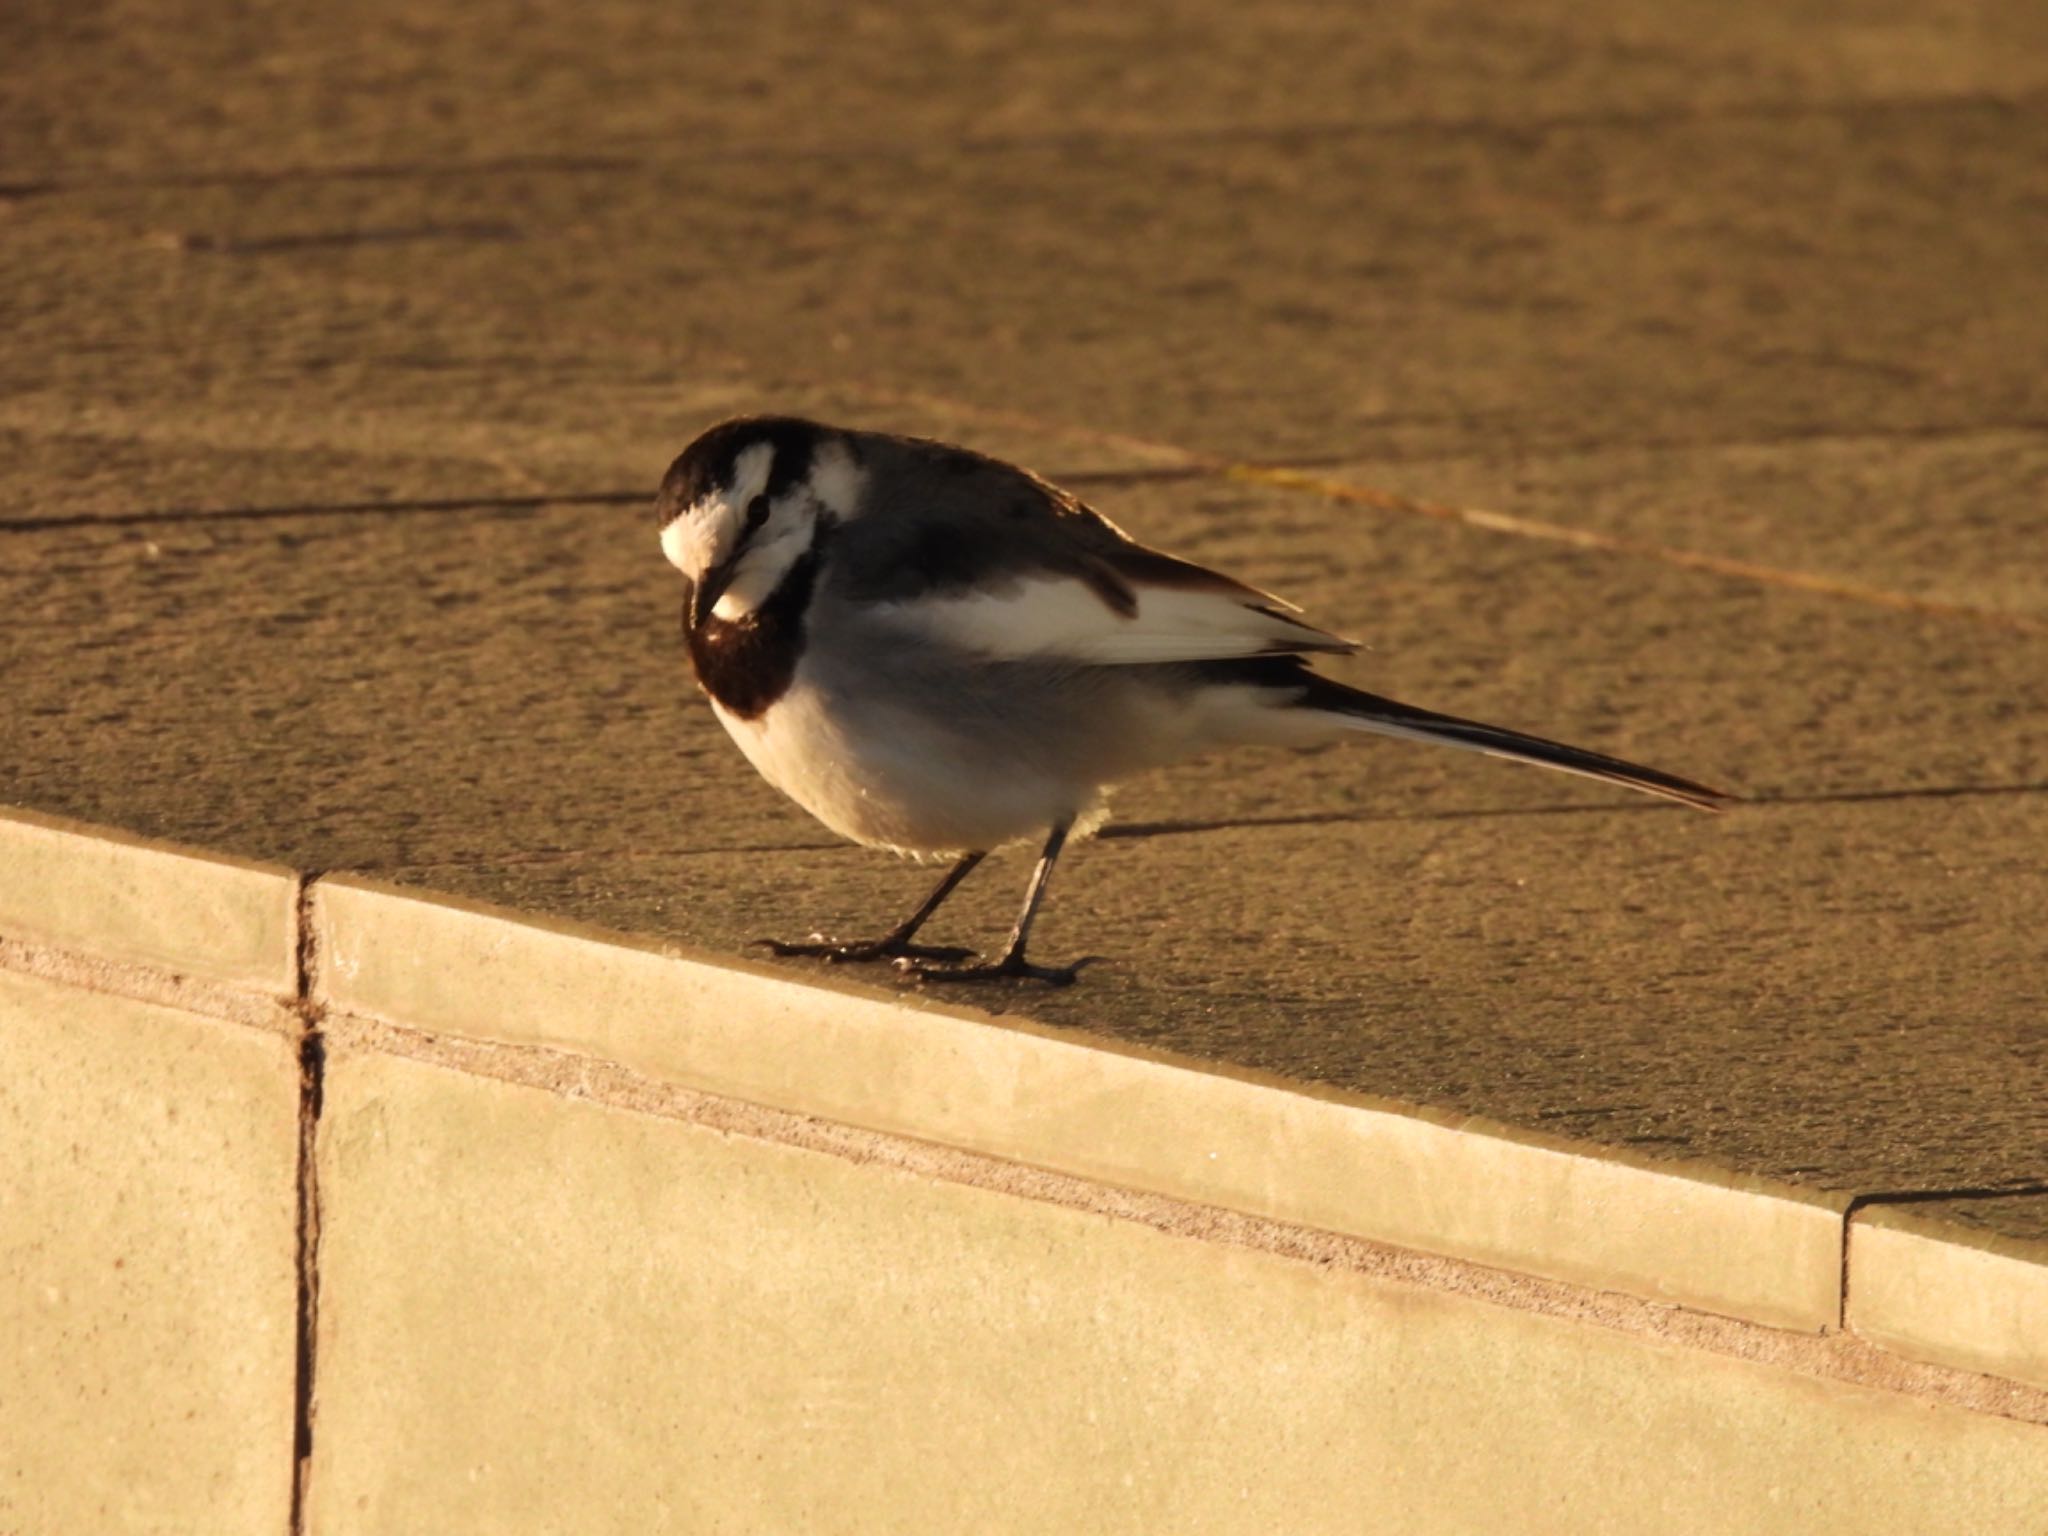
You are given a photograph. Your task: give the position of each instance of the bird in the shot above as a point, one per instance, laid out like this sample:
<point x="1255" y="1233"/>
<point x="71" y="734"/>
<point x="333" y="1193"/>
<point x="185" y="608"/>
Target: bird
<point x="937" y="652"/>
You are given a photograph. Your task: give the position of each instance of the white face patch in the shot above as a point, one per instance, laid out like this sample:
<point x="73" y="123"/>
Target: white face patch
<point x="837" y="480"/>
<point x="750" y="470"/>
<point x="704" y="535"/>
<point x="679" y="547"/>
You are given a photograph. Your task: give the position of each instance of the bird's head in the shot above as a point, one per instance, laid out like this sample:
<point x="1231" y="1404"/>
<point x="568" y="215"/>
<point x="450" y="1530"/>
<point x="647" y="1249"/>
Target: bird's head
<point x="744" y="503"/>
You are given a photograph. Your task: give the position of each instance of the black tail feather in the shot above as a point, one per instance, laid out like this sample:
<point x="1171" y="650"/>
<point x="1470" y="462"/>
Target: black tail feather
<point x="1392" y="718"/>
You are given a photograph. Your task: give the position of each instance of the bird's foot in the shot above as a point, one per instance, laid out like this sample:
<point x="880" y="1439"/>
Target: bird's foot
<point x="1012" y="967"/>
<point x="860" y="952"/>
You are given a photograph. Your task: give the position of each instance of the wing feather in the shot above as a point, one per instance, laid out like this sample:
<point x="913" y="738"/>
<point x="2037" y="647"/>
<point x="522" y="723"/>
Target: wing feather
<point x="1068" y="618"/>
<point x="996" y="561"/>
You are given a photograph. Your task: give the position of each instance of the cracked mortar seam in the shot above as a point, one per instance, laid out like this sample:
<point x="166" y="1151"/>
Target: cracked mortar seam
<point x="1833" y="1354"/>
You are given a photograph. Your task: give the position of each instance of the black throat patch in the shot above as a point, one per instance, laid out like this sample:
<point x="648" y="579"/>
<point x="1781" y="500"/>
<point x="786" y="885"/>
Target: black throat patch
<point x="747" y="664"/>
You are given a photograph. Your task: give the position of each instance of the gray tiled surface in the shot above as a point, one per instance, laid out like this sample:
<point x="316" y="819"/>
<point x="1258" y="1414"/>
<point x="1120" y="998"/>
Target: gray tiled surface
<point x="1767" y="294"/>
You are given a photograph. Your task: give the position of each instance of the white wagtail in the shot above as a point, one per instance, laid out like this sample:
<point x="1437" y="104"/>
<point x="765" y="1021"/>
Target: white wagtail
<point x="936" y="652"/>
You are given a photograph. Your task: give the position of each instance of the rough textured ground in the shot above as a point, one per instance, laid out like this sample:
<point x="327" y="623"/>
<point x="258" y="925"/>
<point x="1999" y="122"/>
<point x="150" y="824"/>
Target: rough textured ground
<point x="1671" y="385"/>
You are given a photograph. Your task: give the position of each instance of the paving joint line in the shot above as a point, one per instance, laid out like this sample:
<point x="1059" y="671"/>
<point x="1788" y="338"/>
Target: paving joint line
<point x="483" y="503"/>
<point x="1596" y="541"/>
<point x="1470" y="125"/>
<point x="425" y="505"/>
<point x="312" y="1052"/>
<point x="473" y="232"/>
<point x="639" y="159"/>
<point x="1790" y="437"/>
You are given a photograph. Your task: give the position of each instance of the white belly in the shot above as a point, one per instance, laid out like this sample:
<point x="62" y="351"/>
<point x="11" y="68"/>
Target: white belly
<point x="888" y="781"/>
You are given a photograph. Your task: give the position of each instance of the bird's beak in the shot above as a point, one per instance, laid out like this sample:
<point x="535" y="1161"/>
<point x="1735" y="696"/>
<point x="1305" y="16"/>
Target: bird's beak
<point x="707" y="592"/>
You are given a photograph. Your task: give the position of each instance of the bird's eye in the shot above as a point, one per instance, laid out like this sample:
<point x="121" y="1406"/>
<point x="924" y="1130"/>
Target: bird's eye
<point x="757" y="513"/>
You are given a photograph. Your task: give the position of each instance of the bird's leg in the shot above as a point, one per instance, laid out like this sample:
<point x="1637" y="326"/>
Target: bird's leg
<point x="895" y="944"/>
<point x="1013" y="962"/>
